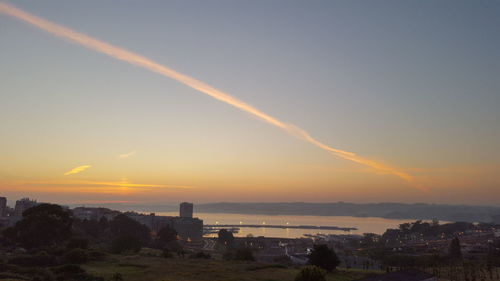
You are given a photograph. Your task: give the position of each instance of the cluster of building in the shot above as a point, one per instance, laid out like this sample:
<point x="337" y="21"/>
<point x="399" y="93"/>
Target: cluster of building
<point x="188" y="228"/>
<point x="8" y="215"/>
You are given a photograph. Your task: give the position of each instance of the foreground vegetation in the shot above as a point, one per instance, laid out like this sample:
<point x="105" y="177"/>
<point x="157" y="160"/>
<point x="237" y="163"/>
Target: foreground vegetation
<point x="146" y="268"/>
<point x="49" y="244"/>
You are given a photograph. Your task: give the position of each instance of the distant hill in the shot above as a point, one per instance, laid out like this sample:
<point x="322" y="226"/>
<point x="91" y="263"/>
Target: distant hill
<point x="418" y="211"/>
<point x="384" y="210"/>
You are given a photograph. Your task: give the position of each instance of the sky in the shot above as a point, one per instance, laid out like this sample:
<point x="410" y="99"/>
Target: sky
<point x="410" y="85"/>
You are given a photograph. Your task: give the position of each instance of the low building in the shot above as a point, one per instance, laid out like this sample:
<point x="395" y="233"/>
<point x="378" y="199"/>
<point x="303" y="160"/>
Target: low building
<point x="153" y="222"/>
<point x="85" y="213"/>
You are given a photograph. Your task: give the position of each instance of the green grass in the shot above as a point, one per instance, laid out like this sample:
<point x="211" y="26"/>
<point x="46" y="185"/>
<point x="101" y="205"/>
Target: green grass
<point x="145" y="268"/>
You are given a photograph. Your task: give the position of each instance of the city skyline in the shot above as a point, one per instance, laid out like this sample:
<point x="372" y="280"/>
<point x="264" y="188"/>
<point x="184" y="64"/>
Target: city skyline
<point x="83" y="126"/>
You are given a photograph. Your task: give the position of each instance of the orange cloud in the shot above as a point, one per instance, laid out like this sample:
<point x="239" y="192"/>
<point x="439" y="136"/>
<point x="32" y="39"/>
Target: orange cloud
<point x="126" y="155"/>
<point x="77" y="170"/>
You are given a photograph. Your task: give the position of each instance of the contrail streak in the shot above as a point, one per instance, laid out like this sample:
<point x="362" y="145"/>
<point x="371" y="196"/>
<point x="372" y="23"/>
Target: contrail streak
<point x="204" y="88"/>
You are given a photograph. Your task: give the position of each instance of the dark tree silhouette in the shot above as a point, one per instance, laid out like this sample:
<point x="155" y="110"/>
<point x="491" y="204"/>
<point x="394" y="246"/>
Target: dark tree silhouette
<point x="122" y="225"/>
<point x="455" y="251"/>
<point x="43" y="225"/>
<point x="167" y="234"/>
<point x="225" y="237"/>
<point x="324" y="257"/>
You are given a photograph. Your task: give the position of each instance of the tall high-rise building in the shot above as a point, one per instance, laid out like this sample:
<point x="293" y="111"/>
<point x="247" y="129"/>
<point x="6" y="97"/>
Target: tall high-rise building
<point x="186" y="210"/>
<point x="3" y="206"/>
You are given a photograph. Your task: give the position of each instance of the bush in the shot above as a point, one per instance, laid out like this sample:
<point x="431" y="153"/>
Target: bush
<point x="96" y="255"/>
<point x="76" y="256"/>
<point x="68" y="269"/>
<point x="244" y="254"/>
<point x="73" y="272"/>
<point x="41" y="259"/>
<point x="311" y="273"/>
<point x="167" y="253"/>
<point x="81" y="243"/>
<point x="124" y="244"/>
<point x="55" y="250"/>
<point x="200" y="255"/>
<point x="240" y="254"/>
<point x="324" y="257"/>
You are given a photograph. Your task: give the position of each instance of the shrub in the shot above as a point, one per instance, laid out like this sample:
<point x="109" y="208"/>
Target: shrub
<point x="124" y="244"/>
<point x="311" y="273"/>
<point x="244" y="254"/>
<point x="241" y="254"/>
<point x="68" y="269"/>
<point x="81" y="243"/>
<point x="76" y="256"/>
<point x="40" y="274"/>
<point x="96" y="255"/>
<point x="167" y="253"/>
<point x="117" y="277"/>
<point x="200" y="255"/>
<point x="324" y="257"/>
<point x="41" y="259"/>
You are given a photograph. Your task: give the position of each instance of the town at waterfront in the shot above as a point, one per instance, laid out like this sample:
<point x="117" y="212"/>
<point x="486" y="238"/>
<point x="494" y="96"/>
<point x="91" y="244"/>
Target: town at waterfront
<point x="90" y="235"/>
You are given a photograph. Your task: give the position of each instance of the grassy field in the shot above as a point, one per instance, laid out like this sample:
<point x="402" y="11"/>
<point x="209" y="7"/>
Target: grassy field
<point x="142" y="268"/>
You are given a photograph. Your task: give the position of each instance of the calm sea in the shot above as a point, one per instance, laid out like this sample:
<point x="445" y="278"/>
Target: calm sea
<point x="363" y="225"/>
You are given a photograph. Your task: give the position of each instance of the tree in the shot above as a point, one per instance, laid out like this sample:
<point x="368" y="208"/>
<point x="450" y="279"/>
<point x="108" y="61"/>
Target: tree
<point x="43" y="225"/>
<point x="225" y="237"/>
<point x="311" y="273"/>
<point x="324" y="257"/>
<point x="123" y="225"/>
<point x="167" y="234"/>
<point x="455" y="251"/>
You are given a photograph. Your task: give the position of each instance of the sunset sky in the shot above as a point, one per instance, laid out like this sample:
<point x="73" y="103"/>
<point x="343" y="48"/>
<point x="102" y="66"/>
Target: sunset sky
<point x="411" y="87"/>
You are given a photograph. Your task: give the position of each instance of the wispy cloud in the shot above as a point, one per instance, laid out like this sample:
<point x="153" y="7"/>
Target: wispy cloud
<point x="138" y="60"/>
<point x="127" y="155"/>
<point x="108" y="202"/>
<point x="77" y="170"/>
<point x="122" y="183"/>
<point x="101" y="187"/>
